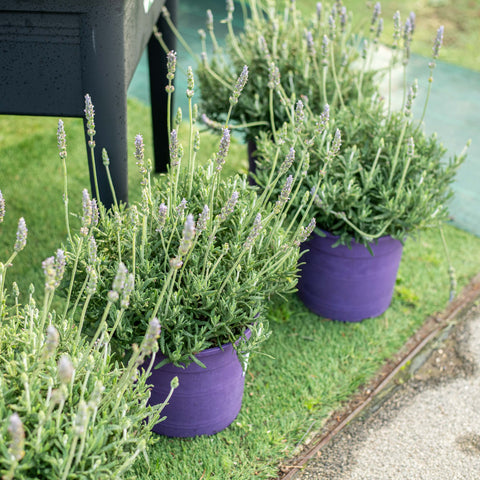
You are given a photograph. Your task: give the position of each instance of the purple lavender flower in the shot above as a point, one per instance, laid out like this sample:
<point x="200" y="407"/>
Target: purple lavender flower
<point x="87" y="213"/>
<point x="80" y="421"/>
<point x="229" y="6"/>
<point x="127" y="290"/>
<point x="336" y="143"/>
<point x="305" y="232"/>
<point x="181" y="207"/>
<point x="21" y="235"/>
<point x="241" y="82"/>
<point x="190" y="82"/>
<point x="162" y="216"/>
<point x="263" y="47"/>
<point x="118" y="283"/>
<point x="438" y="42"/>
<point x="95" y="212"/>
<point x="228" y="208"/>
<point x="51" y="342"/>
<point x="150" y="341"/>
<point x="176" y="263"/>
<point x="90" y="117"/>
<point x="17" y="436"/>
<point x="92" y="280"/>
<point x="203" y="219"/>
<point x="171" y="64"/>
<point x="223" y="149"/>
<point x="257" y="226"/>
<point x="407" y="109"/>
<point x="174" y="159"/>
<point x="410" y="147"/>
<point x="287" y="163"/>
<point x="187" y="236"/>
<point x="48" y="266"/>
<point x="319" y="12"/>
<point x="284" y="195"/>
<point x="61" y="140"/>
<point x="377" y="10"/>
<point x="65" y="369"/>
<point x="413" y="19"/>
<point x="273" y="76"/>
<point x="379" y="30"/>
<point x="299" y="116"/>
<point x="324" y="119"/>
<point x="306" y="163"/>
<point x="310" y="44"/>
<point x="331" y="27"/>
<point x="196" y="141"/>
<point x="2" y="207"/>
<point x="325" y="43"/>
<point x="92" y="251"/>
<point x="397" y="29"/>
<point x="60" y="263"/>
<point x="209" y="21"/>
<point x="343" y="19"/>
<point x="140" y="154"/>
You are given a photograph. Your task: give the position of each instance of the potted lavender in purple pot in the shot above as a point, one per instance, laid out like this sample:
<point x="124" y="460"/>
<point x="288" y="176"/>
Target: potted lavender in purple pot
<point x="382" y="180"/>
<point x="207" y="252"/>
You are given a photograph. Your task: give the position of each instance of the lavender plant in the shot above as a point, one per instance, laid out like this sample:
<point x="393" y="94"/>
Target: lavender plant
<point x="318" y="57"/>
<point x="206" y="252"/>
<point x="388" y="178"/>
<point x="67" y="408"/>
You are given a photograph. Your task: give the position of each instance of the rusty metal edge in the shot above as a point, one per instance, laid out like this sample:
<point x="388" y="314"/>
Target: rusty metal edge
<point x="462" y="302"/>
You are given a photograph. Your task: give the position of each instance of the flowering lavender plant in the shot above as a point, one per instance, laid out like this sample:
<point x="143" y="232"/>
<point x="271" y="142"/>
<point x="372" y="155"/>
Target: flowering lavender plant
<point x="318" y="56"/>
<point x="387" y="178"/>
<point x="67" y="409"/>
<point x="207" y="252"/>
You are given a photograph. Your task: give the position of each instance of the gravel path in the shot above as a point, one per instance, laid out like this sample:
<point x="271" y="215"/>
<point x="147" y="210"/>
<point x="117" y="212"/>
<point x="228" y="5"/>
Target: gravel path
<point x="428" y="430"/>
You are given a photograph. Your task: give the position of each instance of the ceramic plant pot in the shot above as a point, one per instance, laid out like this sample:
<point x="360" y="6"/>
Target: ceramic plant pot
<point x="348" y="284"/>
<point x="207" y="400"/>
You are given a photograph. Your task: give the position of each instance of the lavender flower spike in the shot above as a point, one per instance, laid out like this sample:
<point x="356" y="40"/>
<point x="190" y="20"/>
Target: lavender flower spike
<point x="150" y="341"/>
<point x="289" y="159"/>
<point x="227" y="209"/>
<point x="438" y="42"/>
<point x="324" y="119"/>
<point x="118" y="283"/>
<point x="241" y="82"/>
<point x="310" y="44"/>
<point x="140" y="154"/>
<point x="171" y="64"/>
<point x="223" y="149"/>
<point x="48" y="266"/>
<point x="257" y="226"/>
<point x="203" y="219"/>
<point x="174" y="160"/>
<point x="90" y="117"/>
<point x="65" y="370"/>
<point x="162" y="216"/>
<point x="61" y="140"/>
<point x="188" y="236"/>
<point x="21" y="235"/>
<point x="284" y="195"/>
<point x="127" y="290"/>
<point x="17" y="435"/>
<point x="2" y="207"/>
<point x="87" y="212"/>
<point x="60" y="263"/>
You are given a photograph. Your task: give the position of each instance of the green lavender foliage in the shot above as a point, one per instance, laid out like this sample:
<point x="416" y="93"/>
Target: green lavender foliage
<point x="289" y="55"/>
<point x="389" y="177"/>
<point x="67" y="409"/>
<point x="207" y="253"/>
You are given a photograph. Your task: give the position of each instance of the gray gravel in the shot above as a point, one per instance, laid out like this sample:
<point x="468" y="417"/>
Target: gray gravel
<point x="428" y="430"/>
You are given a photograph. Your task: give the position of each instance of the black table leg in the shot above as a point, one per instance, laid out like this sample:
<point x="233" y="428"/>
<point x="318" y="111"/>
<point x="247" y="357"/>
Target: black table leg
<point x="157" y="60"/>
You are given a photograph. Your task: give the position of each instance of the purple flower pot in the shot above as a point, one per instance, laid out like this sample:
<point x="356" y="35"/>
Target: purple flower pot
<point x="348" y="284"/>
<point x="207" y="400"/>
